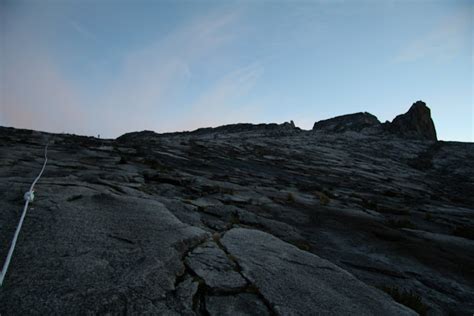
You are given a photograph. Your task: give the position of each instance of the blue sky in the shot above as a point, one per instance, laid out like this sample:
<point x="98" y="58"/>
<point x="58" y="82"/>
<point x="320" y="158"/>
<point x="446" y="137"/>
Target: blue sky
<point x="110" y="67"/>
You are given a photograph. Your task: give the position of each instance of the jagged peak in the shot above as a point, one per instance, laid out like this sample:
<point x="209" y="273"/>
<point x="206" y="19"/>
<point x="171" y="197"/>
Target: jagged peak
<point x="416" y="123"/>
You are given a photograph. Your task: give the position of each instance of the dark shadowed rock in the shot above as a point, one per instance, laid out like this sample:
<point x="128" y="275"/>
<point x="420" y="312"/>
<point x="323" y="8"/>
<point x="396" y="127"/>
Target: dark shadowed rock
<point x="232" y="130"/>
<point x="271" y="129"/>
<point x="136" y="136"/>
<point x="350" y="122"/>
<point x="416" y="123"/>
<point x="236" y="305"/>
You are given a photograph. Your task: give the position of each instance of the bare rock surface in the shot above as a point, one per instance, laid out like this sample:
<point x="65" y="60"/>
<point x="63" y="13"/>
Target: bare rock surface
<point x="251" y="219"/>
<point x="116" y="253"/>
<point x="211" y="264"/>
<point x="295" y="282"/>
<point x="240" y="304"/>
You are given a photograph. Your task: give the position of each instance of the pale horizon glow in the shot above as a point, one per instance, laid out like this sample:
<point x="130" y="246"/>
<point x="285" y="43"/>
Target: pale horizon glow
<point x="101" y="67"/>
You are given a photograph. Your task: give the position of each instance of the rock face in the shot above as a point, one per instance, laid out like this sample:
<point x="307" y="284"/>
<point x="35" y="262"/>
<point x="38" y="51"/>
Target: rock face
<point x="240" y="304"/>
<point x="218" y="272"/>
<point x="238" y="220"/>
<point x="242" y="129"/>
<point x="137" y="136"/>
<point x="120" y="252"/>
<point x="350" y="122"/>
<point x="416" y="123"/>
<point x="295" y="281"/>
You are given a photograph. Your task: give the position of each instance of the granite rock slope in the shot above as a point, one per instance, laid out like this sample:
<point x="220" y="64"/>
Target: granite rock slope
<point x="239" y="220"/>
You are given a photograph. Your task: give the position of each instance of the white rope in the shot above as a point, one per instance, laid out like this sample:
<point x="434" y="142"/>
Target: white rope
<point x="29" y="197"/>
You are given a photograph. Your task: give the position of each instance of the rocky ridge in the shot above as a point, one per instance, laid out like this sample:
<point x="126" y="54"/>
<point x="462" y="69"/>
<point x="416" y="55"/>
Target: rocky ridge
<point x="349" y="122"/>
<point x="243" y="219"/>
<point x="415" y="124"/>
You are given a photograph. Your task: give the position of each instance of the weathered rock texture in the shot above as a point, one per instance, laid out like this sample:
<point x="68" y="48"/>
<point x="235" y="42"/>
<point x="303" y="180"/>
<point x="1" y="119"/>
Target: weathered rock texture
<point x="239" y="220"/>
<point x="295" y="282"/>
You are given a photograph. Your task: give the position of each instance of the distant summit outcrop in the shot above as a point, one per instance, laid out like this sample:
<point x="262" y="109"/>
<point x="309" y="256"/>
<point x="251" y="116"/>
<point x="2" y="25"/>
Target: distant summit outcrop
<point x="137" y="136"/>
<point x="231" y="130"/>
<point x="272" y="128"/>
<point x="416" y="123"/>
<point x="349" y="122"/>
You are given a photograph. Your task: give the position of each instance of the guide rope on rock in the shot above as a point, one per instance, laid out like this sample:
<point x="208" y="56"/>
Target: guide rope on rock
<point x="29" y="197"/>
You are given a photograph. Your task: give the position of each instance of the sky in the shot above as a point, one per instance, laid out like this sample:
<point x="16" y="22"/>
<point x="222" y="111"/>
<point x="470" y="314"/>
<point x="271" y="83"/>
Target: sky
<point x="108" y="67"/>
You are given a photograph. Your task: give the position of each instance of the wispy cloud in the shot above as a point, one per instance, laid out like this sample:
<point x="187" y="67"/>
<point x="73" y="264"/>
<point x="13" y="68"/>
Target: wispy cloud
<point x="443" y="42"/>
<point x="149" y="78"/>
<point x="37" y="93"/>
<point x="225" y="101"/>
<point x="82" y="30"/>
